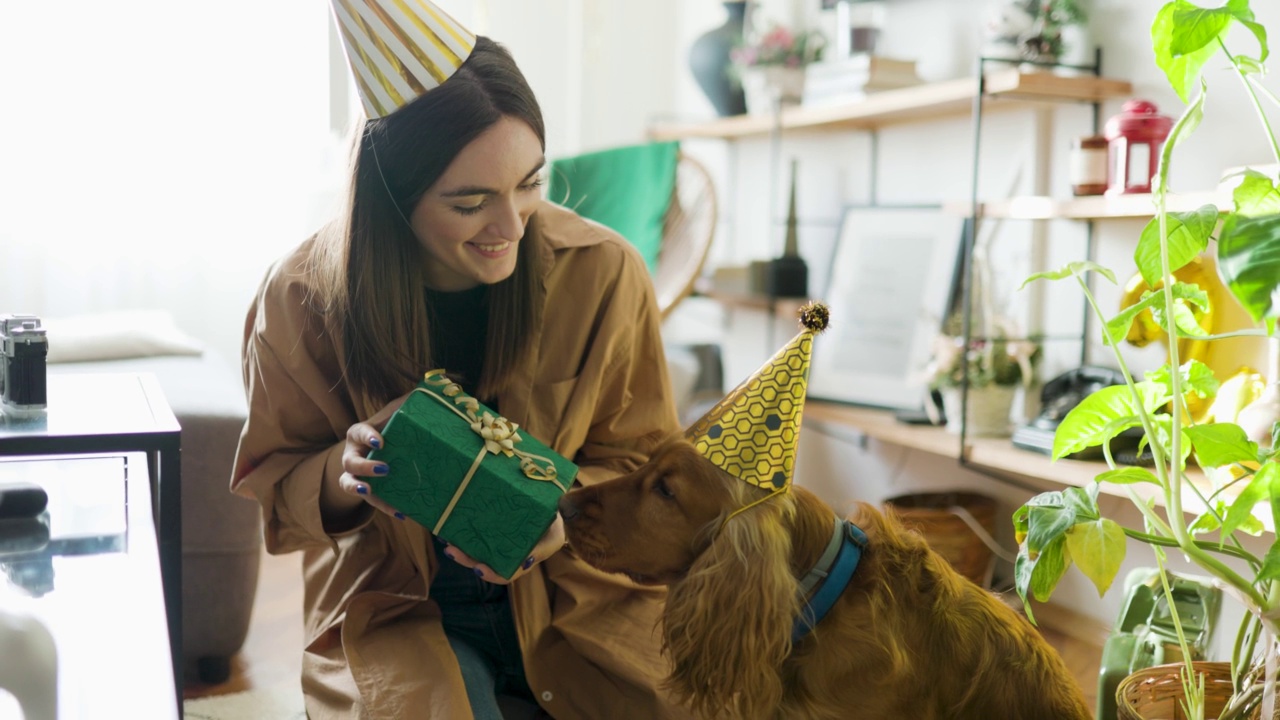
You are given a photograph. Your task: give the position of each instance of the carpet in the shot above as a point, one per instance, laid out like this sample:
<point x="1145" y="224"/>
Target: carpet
<point x="275" y="703"/>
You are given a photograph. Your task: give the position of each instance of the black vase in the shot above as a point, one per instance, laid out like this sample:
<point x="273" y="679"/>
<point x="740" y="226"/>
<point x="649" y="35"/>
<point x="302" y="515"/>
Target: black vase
<point x="709" y="60"/>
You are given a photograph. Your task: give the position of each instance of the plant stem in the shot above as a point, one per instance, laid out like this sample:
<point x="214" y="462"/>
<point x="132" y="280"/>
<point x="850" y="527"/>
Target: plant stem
<point x="1266" y="92"/>
<point x="1249" y="332"/>
<point x="1156" y="450"/>
<point x="1172" y="486"/>
<point x="1234" y="552"/>
<point x="1266" y="124"/>
<point x="1194" y="700"/>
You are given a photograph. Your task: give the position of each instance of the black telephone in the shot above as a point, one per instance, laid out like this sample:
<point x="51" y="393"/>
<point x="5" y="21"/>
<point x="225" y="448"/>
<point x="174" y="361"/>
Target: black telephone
<point x="1057" y="398"/>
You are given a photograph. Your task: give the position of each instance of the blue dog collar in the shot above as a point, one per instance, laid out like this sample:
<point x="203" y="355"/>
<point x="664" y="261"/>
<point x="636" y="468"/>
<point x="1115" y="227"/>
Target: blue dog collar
<point x="835" y="576"/>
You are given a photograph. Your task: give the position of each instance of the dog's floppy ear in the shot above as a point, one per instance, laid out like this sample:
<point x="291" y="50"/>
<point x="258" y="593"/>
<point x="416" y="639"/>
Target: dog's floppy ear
<point x="727" y="624"/>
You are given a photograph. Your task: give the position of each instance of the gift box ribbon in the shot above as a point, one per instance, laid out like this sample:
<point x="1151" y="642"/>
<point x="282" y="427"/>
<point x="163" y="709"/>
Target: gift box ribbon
<point x="499" y="435"/>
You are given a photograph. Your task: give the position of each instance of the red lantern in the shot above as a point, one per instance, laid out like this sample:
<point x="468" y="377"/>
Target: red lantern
<point x="1135" y="138"/>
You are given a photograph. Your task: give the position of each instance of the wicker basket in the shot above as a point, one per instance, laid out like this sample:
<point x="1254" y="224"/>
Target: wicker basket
<point x="1155" y="693"/>
<point x="931" y="515"/>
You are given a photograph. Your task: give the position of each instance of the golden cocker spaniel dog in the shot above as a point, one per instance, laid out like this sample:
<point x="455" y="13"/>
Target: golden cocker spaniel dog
<point x="908" y="637"/>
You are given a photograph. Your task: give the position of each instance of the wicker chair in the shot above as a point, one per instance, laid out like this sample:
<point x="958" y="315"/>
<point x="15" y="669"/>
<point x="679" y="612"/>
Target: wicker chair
<point x="688" y="229"/>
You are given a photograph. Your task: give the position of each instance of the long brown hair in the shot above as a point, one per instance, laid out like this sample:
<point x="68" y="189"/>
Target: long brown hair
<point x="371" y="264"/>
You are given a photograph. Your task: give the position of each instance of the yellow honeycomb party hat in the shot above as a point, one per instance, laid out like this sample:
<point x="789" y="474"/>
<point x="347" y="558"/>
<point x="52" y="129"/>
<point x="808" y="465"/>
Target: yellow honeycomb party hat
<point x="399" y="49"/>
<point x="753" y="432"/>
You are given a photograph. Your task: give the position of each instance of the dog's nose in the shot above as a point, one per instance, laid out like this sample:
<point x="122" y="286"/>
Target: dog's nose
<point x="568" y="508"/>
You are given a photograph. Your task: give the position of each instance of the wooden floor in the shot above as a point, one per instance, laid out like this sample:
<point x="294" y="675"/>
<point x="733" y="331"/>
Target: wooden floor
<point x="272" y="653"/>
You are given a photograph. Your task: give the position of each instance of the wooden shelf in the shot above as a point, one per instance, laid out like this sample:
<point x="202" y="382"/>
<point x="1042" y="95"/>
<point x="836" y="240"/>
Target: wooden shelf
<point x="780" y="305"/>
<point x="930" y="101"/>
<point x="998" y="455"/>
<point x="1039" y="207"/>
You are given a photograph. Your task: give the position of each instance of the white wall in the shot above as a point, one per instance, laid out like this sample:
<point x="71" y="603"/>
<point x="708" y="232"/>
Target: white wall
<point x="161" y="155"/>
<point x="930" y="162"/>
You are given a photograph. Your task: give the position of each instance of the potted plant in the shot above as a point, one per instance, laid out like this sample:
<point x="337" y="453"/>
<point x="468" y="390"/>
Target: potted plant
<point x="771" y="69"/>
<point x="1058" y="529"/>
<point x="996" y="363"/>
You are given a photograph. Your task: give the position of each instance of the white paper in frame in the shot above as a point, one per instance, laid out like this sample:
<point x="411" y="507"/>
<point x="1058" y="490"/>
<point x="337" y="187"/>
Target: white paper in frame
<point x="891" y="279"/>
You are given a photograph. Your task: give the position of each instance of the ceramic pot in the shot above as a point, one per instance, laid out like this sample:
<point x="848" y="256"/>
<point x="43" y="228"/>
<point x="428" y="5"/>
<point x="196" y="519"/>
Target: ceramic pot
<point x="988" y="411"/>
<point x="766" y="86"/>
<point x="710" y="62"/>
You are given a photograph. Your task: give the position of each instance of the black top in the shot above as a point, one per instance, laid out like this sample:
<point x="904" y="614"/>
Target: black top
<point x="459" y="326"/>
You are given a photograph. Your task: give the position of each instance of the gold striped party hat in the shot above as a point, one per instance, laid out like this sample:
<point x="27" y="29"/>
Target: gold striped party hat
<point x="753" y="432"/>
<point x="399" y="49"/>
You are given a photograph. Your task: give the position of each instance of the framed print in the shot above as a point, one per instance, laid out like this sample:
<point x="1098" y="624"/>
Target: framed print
<point x="893" y="275"/>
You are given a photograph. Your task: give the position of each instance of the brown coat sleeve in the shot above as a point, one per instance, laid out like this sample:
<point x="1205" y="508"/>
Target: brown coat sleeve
<point x="634" y="411"/>
<point x="298" y="412"/>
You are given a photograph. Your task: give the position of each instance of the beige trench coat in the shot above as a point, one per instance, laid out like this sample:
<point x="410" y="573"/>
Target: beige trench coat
<point x="597" y="391"/>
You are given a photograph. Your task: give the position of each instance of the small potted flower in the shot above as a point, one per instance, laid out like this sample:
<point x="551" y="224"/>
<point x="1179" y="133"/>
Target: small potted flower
<point x="997" y="365"/>
<point x="771" y="68"/>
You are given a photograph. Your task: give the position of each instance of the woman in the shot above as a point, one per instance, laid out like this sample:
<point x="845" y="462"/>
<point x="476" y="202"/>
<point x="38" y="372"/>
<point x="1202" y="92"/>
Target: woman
<point x="448" y="257"/>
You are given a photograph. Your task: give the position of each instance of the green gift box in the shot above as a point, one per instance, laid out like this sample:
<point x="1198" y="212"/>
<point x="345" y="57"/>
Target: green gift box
<point x="469" y="476"/>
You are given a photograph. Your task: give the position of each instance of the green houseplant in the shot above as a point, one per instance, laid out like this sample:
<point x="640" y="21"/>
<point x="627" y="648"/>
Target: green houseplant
<point x="1059" y="529"/>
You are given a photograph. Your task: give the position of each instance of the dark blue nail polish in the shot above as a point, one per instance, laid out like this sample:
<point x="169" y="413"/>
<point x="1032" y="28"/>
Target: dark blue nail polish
<point x="442" y="541"/>
<point x="362" y="489"/>
<point x="479" y="573"/>
<point x="399" y="516"/>
<point x="375" y="443"/>
<point x="528" y="563"/>
<point x="380" y="469"/>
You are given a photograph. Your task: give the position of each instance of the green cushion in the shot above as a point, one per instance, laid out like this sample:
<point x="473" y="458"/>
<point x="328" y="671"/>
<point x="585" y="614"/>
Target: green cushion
<point x="627" y="189"/>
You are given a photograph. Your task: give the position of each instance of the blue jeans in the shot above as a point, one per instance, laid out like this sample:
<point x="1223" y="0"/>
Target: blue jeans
<point x="482" y="632"/>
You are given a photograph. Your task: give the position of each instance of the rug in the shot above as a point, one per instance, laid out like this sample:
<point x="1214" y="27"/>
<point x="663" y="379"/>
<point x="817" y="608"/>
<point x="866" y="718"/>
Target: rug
<point x="276" y="703"/>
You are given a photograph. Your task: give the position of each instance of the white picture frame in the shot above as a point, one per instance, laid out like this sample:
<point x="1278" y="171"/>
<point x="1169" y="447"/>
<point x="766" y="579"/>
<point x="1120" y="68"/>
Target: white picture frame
<point x="892" y="278"/>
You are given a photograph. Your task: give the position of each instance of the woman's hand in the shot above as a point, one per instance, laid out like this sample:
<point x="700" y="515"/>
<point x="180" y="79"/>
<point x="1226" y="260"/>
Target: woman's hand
<point x="550" y="543"/>
<point x="362" y="437"/>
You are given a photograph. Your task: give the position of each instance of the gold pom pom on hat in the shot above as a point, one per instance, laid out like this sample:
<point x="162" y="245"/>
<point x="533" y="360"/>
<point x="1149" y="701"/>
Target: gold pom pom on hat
<point x="753" y="433"/>
<point x="814" y="316"/>
<point x="399" y="49"/>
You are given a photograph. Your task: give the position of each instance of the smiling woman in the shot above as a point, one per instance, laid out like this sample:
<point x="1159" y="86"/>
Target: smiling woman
<point x="445" y="258"/>
<point x="467" y="223"/>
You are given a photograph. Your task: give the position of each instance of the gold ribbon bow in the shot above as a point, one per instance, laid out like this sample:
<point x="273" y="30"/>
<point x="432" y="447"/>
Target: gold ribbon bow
<point x="499" y="435"/>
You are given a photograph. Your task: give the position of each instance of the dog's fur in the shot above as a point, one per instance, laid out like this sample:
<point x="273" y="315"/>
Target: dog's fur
<point x="909" y="638"/>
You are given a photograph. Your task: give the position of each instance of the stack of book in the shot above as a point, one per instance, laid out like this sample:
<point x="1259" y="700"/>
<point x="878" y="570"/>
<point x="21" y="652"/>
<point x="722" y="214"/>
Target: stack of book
<point x="854" y="77"/>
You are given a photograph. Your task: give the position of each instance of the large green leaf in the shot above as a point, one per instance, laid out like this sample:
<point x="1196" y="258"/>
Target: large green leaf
<point x="1219" y="444"/>
<point x="1097" y="548"/>
<point x="1047" y="524"/>
<point x="1081" y="503"/>
<point x="1196" y="27"/>
<point x="1240" y="10"/>
<point x="1184" y="319"/>
<point x="1256" y="195"/>
<point x="1087" y="423"/>
<point x="1188" y="237"/>
<point x="1050" y="567"/>
<point x="1182" y="40"/>
<point x="1197" y="378"/>
<point x="1128" y="476"/>
<point x="1249" y="264"/>
<point x="1073" y="269"/>
<point x="1265" y="485"/>
<point x="1117" y="327"/>
<point x="1163" y="423"/>
<point x="1271" y="564"/>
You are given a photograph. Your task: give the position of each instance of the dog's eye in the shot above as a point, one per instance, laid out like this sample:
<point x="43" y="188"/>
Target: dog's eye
<point x="661" y="488"/>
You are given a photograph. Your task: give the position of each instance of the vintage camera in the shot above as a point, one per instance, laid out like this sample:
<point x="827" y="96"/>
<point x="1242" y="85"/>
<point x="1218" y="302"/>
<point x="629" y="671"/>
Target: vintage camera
<point x="23" y="377"/>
